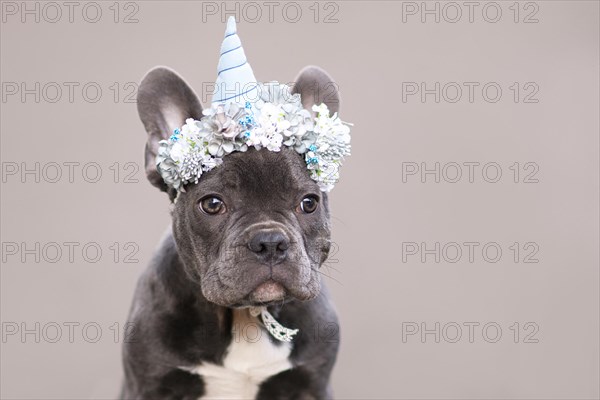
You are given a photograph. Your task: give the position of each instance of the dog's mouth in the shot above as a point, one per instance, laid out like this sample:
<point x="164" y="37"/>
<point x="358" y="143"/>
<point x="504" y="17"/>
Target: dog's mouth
<point x="268" y="292"/>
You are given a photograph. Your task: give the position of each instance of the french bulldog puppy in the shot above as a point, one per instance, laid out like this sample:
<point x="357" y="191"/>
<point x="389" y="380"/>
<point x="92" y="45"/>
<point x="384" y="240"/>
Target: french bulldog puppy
<point x="252" y="232"/>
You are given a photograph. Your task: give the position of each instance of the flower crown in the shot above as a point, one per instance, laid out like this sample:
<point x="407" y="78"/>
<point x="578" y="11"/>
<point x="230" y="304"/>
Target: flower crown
<point x="274" y="118"/>
<point x="277" y="119"/>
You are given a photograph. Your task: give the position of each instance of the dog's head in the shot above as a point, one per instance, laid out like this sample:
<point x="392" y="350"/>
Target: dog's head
<point x="254" y="230"/>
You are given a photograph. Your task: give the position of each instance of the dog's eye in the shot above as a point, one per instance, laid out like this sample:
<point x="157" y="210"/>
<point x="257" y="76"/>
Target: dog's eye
<point x="309" y="204"/>
<point x="212" y="205"/>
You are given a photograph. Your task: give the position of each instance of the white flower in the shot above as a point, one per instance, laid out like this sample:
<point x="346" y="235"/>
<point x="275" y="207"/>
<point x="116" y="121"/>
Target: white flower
<point x="179" y="150"/>
<point x="331" y="145"/>
<point x="272" y="119"/>
<point x="272" y="125"/>
<point x="272" y="141"/>
<point x="326" y="175"/>
<point x="209" y="163"/>
<point x="190" y="130"/>
<point x="321" y="109"/>
<point x="252" y="139"/>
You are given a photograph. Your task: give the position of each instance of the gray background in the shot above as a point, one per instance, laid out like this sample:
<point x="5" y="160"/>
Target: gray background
<point x="370" y="51"/>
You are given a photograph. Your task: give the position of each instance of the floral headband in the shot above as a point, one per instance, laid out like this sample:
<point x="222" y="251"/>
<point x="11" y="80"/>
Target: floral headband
<point x="267" y="116"/>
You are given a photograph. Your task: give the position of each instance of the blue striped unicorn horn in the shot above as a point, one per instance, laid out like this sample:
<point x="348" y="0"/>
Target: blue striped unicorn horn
<point x="235" y="79"/>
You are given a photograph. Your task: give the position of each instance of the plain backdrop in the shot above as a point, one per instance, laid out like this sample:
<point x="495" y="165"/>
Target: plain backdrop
<point x="533" y="70"/>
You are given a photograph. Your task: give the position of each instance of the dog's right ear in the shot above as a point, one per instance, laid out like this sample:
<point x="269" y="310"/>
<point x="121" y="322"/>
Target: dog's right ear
<point x="315" y="87"/>
<point x="164" y="102"/>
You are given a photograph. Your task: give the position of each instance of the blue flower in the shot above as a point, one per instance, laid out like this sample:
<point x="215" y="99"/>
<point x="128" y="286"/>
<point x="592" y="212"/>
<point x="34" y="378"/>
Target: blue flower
<point x="175" y="134"/>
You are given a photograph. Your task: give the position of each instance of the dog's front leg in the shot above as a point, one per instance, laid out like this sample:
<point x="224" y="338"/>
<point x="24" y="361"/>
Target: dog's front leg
<point x="174" y="384"/>
<point x="295" y="384"/>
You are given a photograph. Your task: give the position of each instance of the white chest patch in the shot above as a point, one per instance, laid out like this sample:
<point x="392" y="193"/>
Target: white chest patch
<point x="250" y="359"/>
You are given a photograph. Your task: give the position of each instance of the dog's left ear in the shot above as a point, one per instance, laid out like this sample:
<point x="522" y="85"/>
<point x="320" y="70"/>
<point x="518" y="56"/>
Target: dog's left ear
<point x="164" y="102"/>
<point x="315" y="87"/>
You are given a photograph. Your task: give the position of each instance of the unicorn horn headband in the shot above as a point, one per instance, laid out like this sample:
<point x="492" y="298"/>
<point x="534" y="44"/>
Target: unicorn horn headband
<point x="245" y="113"/>
<point x="235" y="78"/>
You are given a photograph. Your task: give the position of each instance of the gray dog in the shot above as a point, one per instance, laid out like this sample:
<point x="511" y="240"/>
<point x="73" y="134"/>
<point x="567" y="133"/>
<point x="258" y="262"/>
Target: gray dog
<point x="253" y="232"/>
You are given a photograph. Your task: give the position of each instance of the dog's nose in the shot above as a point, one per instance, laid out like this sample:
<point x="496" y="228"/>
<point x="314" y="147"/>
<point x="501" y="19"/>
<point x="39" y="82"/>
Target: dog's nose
<point x="269" y="246"/>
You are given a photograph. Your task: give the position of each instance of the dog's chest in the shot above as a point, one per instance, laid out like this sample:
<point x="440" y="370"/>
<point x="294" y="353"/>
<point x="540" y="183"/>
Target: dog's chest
<point x="251" y="358"/>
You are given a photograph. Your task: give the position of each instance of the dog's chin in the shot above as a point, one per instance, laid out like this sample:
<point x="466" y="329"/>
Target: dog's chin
<point x="274" y="293"/>
<point x="268" y="292"/>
